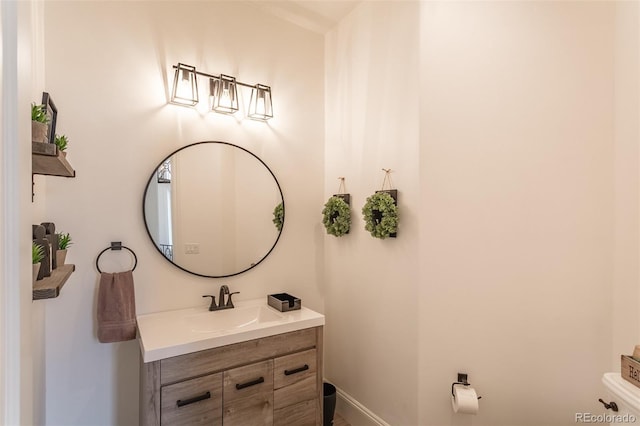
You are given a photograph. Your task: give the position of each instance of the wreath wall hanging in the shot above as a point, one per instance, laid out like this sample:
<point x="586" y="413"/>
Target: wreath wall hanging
<point x="381" y="211"/>
<point x="336" y="215"/>
<point x="278" y="216"/>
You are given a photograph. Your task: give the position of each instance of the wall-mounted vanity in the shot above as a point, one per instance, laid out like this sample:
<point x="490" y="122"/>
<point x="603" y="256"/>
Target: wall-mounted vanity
<point x="250" y="365"/>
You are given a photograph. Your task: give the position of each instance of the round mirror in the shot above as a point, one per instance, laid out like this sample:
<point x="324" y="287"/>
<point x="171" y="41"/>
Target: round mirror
<point x="213" y="209"/>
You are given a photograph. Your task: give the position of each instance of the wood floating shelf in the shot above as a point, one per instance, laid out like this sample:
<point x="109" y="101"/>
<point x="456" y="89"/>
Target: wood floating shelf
<point x="49" y="287"/>
<point x="46" y="159"/>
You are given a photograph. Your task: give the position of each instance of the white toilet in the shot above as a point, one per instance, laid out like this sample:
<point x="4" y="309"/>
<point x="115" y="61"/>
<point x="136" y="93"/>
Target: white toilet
<point x="626" y="398"/>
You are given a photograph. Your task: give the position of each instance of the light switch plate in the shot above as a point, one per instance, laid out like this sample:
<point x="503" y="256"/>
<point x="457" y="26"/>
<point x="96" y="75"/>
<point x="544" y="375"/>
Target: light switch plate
<point x="192" y="248"/>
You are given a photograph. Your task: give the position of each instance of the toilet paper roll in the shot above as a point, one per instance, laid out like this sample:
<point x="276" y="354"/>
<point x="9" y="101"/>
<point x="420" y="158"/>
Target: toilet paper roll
<point x="464" y="400"/>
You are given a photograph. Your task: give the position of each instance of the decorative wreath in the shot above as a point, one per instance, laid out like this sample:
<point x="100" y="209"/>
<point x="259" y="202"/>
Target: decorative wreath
<point x="380" y="215"/>
<point x="278" y="216"/>
<point x="336" y="216"/>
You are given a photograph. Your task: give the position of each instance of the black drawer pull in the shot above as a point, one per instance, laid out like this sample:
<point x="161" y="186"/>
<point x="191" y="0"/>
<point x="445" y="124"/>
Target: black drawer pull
<point x="251" y="383"/>
<point x="296" y="370"/>
<point x="182" y="403"/>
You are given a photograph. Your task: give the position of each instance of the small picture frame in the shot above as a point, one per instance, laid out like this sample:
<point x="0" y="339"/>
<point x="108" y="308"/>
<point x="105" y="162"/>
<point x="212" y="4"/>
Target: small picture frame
<point x="52" y="113"/>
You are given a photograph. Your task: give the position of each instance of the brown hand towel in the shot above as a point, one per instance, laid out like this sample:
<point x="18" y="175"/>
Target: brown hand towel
<point x="116" y="307"/>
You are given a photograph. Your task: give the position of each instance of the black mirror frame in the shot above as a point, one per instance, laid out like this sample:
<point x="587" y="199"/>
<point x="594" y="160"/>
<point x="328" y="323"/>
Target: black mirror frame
<point x="154" y="175"/>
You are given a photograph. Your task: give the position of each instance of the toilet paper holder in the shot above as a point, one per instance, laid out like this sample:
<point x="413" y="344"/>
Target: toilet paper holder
<point x="462" y="380"/>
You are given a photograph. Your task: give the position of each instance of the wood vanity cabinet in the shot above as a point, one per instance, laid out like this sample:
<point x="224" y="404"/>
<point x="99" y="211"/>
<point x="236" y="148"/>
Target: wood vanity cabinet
<point x="275" y="380"/>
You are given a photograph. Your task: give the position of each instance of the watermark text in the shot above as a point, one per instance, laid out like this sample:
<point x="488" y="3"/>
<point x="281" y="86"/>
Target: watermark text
<point x="605" y="418"/>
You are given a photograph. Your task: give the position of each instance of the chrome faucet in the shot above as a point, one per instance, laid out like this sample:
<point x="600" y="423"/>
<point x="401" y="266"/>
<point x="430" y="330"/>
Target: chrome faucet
<point x="224" y="290"/>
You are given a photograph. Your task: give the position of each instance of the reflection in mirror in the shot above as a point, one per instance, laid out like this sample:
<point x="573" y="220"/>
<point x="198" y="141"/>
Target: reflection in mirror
<point x="209" y="209"/>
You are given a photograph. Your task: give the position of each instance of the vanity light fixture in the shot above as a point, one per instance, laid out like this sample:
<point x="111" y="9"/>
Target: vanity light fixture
<point x="185" y="85"/>
<point x="164" y="172"/>
<point x="223" y="93"/>
<point x="260" y="107"/>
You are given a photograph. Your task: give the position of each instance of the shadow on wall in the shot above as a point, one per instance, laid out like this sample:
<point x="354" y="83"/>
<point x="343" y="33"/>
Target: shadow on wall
<point x="126" y="367"/>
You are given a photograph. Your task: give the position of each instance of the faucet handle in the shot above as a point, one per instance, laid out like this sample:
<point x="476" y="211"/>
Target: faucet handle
<point x="229" y="301"/>
<point x="213" y="301"/>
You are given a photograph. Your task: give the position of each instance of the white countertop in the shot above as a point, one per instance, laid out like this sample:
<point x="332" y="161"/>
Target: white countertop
<point x="170" y="333"/>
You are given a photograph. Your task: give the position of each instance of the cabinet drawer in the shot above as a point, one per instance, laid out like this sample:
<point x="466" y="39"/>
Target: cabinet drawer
<point x="248" y="395"/>
<point x="193" y="402"/>
<point x="217" y="359"/>
<point x="293" y="368"/>
<point x="301" y="414"/>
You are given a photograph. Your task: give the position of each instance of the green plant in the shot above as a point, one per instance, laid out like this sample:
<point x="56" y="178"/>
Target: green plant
<point x="336" y="216"/>
<point x="39" y="113"/>
<point x="381" y="215"/>
<point x="278" y="216"/>
<point x="64" y="241"/>
<point x="61" y="142"/>
<point x="37" y="253"/>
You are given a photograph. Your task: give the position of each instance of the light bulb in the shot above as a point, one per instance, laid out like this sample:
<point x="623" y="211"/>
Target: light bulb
<point x="185" y="86"/>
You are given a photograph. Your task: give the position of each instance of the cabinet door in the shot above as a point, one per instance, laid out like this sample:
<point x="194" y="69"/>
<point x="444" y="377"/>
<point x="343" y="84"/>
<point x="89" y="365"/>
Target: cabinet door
<point x="295" y="378"/>
<point x="192" y="402"/>
<point x="300" y="414"/>
<point x="248" y="395"/>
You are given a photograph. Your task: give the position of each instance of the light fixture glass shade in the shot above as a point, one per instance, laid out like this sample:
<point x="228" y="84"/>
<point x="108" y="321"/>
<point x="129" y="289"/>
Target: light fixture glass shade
<point x="185" y="86"/>
<point x="223" y="94"/>
<point x="164" y="172"/>
<point x="260" y="107"/>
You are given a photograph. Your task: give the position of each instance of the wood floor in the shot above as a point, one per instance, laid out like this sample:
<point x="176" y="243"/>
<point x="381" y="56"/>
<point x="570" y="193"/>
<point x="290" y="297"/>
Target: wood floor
<point x="339" y="421"/>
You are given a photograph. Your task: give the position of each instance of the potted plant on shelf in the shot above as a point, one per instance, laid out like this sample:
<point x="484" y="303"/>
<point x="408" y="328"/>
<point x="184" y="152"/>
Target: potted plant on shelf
<point x="61" y="142"/>
<point x="64" y="241"/>
<point x="37" y="254"/>
<point x="39" y="123"/>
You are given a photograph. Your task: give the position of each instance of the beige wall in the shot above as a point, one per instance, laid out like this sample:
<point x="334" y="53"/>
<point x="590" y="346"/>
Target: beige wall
<point x="109" y="69"/>
<point x="372" y="316"/>
<point x="517" y="137"/>
<point x="21" y="321"/>
<point x="39" y="215"/>
<point x="626" y="315"/>
<point x="526" y="199"/>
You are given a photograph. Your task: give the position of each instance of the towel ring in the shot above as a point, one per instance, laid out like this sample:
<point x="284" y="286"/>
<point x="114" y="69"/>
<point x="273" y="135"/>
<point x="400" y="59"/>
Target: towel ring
<point x="117" y="245"/>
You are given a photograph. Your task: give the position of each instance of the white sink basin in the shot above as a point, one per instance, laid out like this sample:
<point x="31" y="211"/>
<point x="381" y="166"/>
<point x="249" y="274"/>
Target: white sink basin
<point x="232" y="319"/>
<point x="172" y="333"/>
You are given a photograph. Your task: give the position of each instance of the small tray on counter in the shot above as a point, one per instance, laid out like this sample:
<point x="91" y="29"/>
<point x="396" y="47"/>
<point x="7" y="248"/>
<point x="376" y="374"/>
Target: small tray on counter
<point x="284" y="302"/>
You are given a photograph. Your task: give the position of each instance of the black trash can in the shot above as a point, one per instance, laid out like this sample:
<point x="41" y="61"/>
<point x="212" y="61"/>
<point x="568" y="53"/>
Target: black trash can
<point x="329" y="404"/>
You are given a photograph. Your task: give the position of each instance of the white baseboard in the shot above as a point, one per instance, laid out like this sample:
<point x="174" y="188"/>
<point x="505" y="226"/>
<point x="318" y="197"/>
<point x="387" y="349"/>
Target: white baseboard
<point x="355" y="413"/>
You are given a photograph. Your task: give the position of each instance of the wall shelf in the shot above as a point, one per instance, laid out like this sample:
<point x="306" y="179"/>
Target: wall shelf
<point x="49" y="287"/>
<point x="46" y="159"/>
